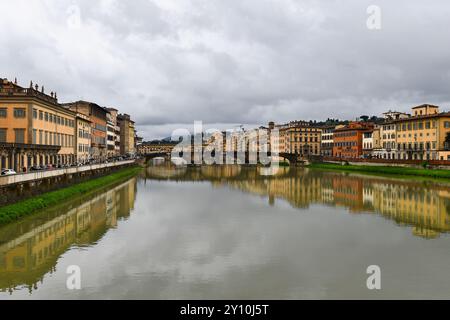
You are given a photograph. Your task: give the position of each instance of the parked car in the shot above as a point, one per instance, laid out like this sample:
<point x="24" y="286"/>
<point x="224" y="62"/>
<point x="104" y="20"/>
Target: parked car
<point x="8" y="172"/>
<point x="35" y="168"/>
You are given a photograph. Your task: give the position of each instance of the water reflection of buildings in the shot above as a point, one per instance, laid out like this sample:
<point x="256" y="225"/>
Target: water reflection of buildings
<point x="27" y="255"/>
<point x="426" y="207"/>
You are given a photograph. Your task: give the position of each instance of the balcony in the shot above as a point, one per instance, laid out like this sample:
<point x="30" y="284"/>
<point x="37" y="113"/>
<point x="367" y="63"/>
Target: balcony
<point x="25" y="146"/>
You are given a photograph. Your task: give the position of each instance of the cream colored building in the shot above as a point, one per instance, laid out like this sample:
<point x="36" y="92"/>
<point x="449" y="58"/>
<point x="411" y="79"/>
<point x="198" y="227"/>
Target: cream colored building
<point x="299" y="137"/>
<point x="112" y="133"/>
<point x="127" y="129"/>
<point x="83" y="149"/>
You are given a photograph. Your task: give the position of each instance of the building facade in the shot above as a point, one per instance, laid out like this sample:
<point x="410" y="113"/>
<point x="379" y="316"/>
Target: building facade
<point x="328" y="140"/>
<point x="111" y="133"/>
<point x="348" y="141"/>
<point x="83" y="141"/>
<point x="299" y="137"/>
<point x="388" y="141"/>
<point x="97" y="116"/>
<point x="127" y="134"/>
<point x="34" y="128"/>
<point x="372" y="143"/>
<point x="388" y="135"/>
<point x="423" y="136"/>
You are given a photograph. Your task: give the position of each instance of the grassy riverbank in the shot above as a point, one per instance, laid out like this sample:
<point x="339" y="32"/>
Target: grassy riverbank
<point x="21" y="209"/>
<point x="386" y="170"/>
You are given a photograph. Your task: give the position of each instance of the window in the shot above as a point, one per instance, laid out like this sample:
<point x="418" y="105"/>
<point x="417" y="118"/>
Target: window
<point x="34" y="136"/>
<point x="100" y="127"/>
<point x="46" y="116"/>
<point x="447" y="124"/>
<point x="40" y="137"/>
<point x="35" y="114"/>
<point x="19" y="113"/>
<point x="41" y="115"/>
<point x="3" y="113"/>
<point x="2" y="135"/>
<point x="19" y="135"/>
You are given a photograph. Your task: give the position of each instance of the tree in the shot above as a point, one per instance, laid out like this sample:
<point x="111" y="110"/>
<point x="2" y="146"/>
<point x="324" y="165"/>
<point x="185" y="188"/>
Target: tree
<point x="364" y="118"/>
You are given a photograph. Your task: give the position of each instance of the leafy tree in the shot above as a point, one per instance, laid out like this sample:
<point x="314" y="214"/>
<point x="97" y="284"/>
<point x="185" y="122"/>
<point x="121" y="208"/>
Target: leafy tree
<point x="364" y="118"/>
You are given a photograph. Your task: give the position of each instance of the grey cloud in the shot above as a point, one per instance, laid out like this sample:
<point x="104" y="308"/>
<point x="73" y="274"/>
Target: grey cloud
<point x="169" y="62"/>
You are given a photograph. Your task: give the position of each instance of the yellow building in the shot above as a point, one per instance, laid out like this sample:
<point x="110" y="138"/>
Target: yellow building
<point x="83" y="144"/>
<point x="425" y="135"/>
<point x="34" y="128"/>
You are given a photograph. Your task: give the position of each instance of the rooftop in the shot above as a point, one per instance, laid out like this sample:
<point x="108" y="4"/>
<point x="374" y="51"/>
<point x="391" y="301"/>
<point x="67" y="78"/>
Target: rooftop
<point x="12" y="89"/>
<point x="425" y="105"/>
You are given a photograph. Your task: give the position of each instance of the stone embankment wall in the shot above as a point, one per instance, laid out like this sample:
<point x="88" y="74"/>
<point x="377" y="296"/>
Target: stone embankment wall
<point x="23" y="186"/>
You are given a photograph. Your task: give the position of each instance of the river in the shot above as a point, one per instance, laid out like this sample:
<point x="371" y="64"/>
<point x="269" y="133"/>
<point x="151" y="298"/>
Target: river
<point x="232" y="232"/>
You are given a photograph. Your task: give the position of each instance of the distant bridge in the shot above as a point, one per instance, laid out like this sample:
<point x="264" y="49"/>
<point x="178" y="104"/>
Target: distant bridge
<point x="156" y="154"/>
<point x="294" y="159"/>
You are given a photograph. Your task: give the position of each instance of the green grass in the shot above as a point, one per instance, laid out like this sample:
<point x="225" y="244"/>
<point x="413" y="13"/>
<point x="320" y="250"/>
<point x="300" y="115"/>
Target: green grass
<point x="284" y="164"/>
<point x="386" y="170"/>
<point x="27" y="207"/>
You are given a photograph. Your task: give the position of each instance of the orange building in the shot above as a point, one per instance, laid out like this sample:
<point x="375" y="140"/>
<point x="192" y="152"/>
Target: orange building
<point x="348" y="141"/>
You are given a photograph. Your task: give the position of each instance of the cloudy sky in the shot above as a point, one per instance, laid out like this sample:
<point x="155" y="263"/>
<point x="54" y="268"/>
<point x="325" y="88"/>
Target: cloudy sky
<point x="230" y="62"/>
